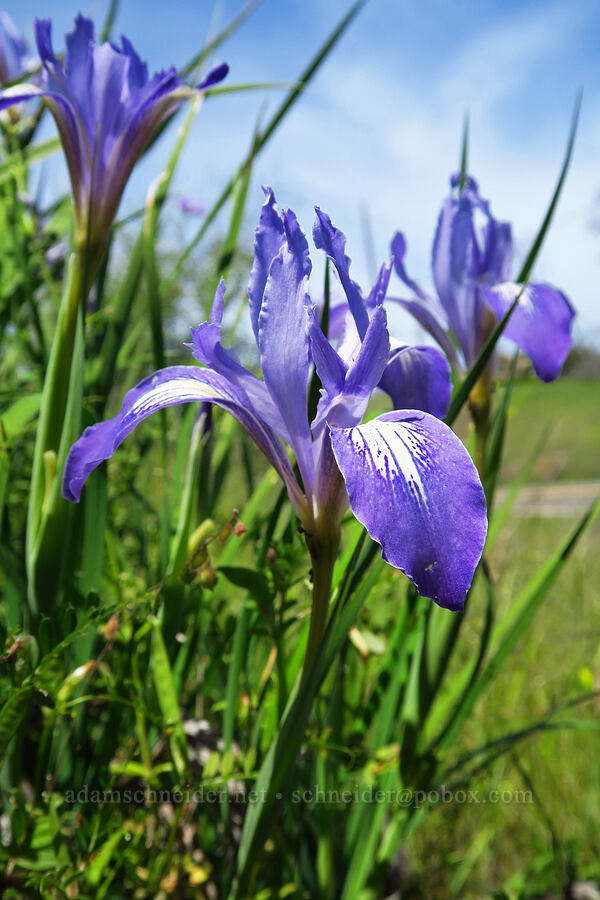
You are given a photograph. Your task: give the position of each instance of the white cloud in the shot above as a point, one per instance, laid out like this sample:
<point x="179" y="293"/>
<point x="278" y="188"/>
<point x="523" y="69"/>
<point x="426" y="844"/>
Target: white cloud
<point x="365" y="137"/>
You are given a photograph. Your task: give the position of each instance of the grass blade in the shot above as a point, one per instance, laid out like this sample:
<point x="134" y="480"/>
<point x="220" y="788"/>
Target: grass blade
<point x="273" y="124"/>
<point x="284" y="749"/>
<point x="461" y="395"/>
<point x="535" y="249"/>
<point x="167" y="700"/>
<point x="222" y="36"/>
<point x="511" y="628"/>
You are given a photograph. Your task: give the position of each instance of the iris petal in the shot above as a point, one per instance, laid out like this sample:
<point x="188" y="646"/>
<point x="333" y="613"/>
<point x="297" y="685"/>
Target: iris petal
<point x="268" y="239"/>
<point x="540" y="323"/>
<point x="413" y="485"/>
<point x="170" y="387"/>
<point x="283" y="340"/>
<point x="208" y="350"/>
<point x="418" y="378"/>
<point x="333" y="242"/>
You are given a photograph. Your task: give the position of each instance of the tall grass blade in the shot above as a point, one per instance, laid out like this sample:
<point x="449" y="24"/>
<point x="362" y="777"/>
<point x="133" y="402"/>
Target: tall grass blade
<point x="219" y="38"/>
<point x="167" y="700"/>
<point x="515" y="623"/>
<point x="539" y="239"/>
<point x="282" y="754"/>
<point x="271" y="127"/>
<point x="461" y="395"/>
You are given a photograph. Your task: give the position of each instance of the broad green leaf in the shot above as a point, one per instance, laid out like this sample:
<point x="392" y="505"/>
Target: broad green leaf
<point x="101" y="861"/>
<point x="12" y="714"/>
<point x="16" y="417"/>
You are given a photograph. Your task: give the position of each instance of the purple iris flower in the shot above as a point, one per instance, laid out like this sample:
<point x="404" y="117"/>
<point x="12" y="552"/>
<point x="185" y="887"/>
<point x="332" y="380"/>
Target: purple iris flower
<point x="15" y="59"/>
<point x="405" y="474"/>
<point x="471" y="269"/>
<point x="190" y="207"/>
<point x="107" y="109"/>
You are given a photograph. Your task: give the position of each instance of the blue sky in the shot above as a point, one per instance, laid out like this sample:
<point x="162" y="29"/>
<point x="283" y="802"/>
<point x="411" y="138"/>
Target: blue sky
<point x="378" y="130"/>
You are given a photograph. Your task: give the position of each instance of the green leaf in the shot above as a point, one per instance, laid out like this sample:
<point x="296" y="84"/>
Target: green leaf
<point x="103" y="370"/>
<point x="167" y="700"/>
<point x="15" y="418"/>
<point x="222" y="36"/>
<point x="256" y="583"/>
<point x="464" y="153"/>
<point x="44" y="831"/>
<point x="238" y="655"/>
<point x="49" y="515"/>
<point x="96" y="869"/>
<point x="33" y="153"/>
<point x="11" y="715"/>
<point x="110" y="21"/>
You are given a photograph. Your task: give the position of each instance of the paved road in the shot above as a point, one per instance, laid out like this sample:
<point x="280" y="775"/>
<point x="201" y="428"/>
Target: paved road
<point x="553" y="501"/>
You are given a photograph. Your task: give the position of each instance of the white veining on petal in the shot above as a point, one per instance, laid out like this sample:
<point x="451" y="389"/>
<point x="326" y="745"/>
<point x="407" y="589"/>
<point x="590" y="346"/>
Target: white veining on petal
<point x="394" y="448"/>
<point x="508" y="290"/>
<point x="177" y="390"/>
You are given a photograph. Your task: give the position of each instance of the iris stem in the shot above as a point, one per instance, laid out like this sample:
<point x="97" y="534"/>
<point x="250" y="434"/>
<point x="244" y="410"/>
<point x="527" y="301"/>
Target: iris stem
<point x="480" y="407"/>
<point x="323" y="553"/>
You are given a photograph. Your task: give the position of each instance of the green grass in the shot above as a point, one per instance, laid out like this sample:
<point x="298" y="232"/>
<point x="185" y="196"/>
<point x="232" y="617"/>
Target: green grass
<point x="474" y="849"/>
<point x="571" y="409"/>
<point x="477" y="848"/>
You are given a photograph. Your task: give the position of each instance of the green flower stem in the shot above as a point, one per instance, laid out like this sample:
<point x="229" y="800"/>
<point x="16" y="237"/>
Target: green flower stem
<point x="323" y="545"/>
<point x="48" y="513"/>
<point x="480" y="407"/>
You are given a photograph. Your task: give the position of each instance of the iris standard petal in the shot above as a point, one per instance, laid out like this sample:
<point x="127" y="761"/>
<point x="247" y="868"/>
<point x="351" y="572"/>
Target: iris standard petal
<point x="170" y="387"/>
<point x="138" y="69"/>
<point x="424" y="316"/>
<point x="215" y="76"/>
<point x="333" y="242"/>
<point x="207" y="348"/>
<point x="413" y="485"/>
<point x="418" y="378"/>
<point x="379" y="289"/>
<point x="66" y="122"/>
<point x="365" y="372"/>
<point x="346" y="405"/>
<point x="456" y="271"/>
<point x="14" y="55"/>
<point x="497" y="251"/>
<point x="268" y="239"/>
<point x="540" y="324"/>
<point x="398" y="247"/>
<point x="331" y="369"/>
<point x="283" y="340"/>
<point x="78" y="59"/>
